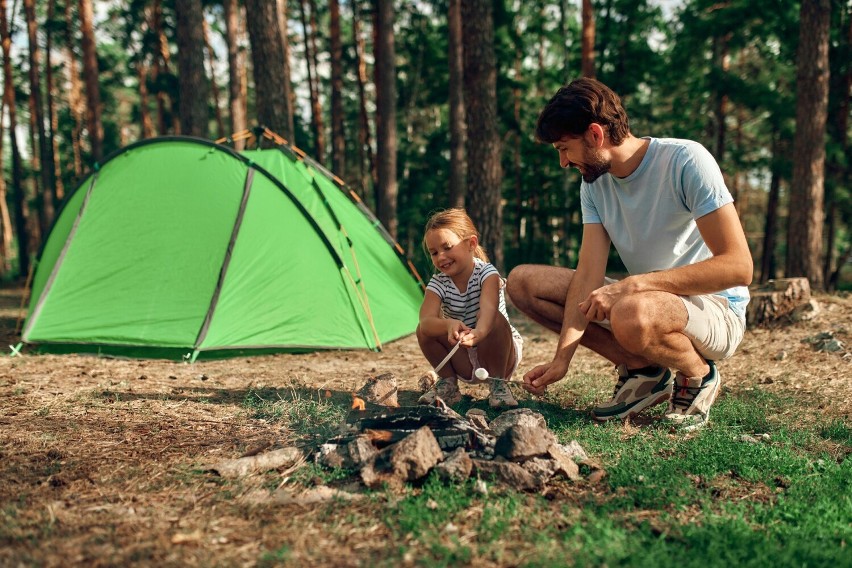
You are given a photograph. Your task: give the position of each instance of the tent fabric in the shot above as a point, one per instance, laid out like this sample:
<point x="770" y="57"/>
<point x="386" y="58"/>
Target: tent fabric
<point x="177" y="244"/>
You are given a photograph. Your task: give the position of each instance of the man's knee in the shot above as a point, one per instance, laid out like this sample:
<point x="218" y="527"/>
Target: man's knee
<point x="636" y="320"/>
<point x="517" y="285"/>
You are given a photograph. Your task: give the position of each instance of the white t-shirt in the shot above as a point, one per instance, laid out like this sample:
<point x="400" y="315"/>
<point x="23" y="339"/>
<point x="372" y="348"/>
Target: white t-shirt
<point x="650" y="215"/>
<point x="464" y="306"/>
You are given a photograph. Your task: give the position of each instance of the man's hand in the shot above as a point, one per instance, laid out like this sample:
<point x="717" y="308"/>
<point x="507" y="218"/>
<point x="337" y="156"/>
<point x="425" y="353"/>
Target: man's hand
<point x="598" y="305"/>
<point x="537" y="379"/>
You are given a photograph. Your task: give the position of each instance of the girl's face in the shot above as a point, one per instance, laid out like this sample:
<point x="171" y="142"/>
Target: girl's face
<point x="450" y="254"/>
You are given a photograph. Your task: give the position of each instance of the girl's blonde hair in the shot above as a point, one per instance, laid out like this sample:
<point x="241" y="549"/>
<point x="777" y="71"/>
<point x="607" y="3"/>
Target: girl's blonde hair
<point x="457" y="221"/>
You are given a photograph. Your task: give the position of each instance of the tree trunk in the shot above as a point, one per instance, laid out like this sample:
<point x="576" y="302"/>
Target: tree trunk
<point x="485" y="174"/>
<point x="840" y="175"/>
<point x="338" y="134"/>
<point x="90" y="71"/>
<point x="42" y="144"/>
<point x="192" y="83"/>
<point x="236" y="102"/>
<point x="770" y="230"/>
<point x="721" y="60"/>
<point x="289" y="99"/>
<point x="267" y="56"/>
<point x="51" y="93"/>
<point x="20" y="199"/>
<point x="75" y="95"/>
<point x="386" y="141"/>
<point x="776" y="299"/>
<point x="365" y="146"/>
<point x="458" y="166"/>
<point x="804" y="232"/>
<point x="588" y="53"/>
<point x="214" y="84"/>
<point x="147" y="126"/>
<point x="313" y="82"/>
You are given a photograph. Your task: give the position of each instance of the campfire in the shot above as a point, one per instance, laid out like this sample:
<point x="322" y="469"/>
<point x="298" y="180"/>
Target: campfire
<point x="392" y="444"/>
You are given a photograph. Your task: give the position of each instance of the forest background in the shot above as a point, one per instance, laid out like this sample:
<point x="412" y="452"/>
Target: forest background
<point x="424" y="104"/>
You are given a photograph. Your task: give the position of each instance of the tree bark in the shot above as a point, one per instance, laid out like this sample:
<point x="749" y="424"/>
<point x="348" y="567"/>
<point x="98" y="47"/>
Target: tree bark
<point x="75" y="96"/>
<point x="776" y="299"/>
<point x="770" y="229"/>
<point x="51" y="95"/>
<point x="20" y="199"/>
<point x="267" y="56"/>
<point x="192" y="83"/>
<point x="236" y="102"/>
<point x="365" y="146"/>
<point x="214" y="84"/>
<point x="485" y="173"/>
<point x="289" y="99"/>
<point x="338" y="134"/>
<point x="90" y="71"/>
<point x="42" y="144"/>
<point x="386" y="140"/>
<point x="804" y="232"/>
<point x="458" y="135"/>
<point x="588" y="41"/>
<point x="309" y="28"/>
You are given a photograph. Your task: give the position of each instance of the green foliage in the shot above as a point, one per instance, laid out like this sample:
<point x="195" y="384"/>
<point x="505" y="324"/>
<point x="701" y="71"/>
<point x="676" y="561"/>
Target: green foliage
<point x="722" y="73"/>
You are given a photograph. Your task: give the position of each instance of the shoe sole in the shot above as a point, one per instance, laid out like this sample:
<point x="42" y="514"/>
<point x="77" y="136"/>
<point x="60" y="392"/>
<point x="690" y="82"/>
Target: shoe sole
<point x="647" y="403"/>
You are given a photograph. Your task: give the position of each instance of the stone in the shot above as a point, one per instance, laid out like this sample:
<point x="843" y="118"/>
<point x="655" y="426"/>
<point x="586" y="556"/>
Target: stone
<point x="564" y="462"/>
<point x="407" y="460"/>
<point x="427" y="381"/>
<point x="509" y="473"/>
<point x="574" y="450"/>
<point x="477" y="418"/>
<point x="542" y="469"/>
<point x="523" y="416"/>
<point x="522" y="442"/>
<point x="380" y="390"/>
<point x="456" y="467"/>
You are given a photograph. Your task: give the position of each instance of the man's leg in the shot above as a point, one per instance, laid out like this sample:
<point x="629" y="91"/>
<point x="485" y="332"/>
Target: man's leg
<point x="651" y="325"/>
<point x="539" y="291"/>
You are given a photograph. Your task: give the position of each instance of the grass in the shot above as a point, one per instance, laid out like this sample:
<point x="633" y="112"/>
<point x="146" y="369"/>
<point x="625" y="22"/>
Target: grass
<point x="763" y="484"/>
<point x="754" y="488"/>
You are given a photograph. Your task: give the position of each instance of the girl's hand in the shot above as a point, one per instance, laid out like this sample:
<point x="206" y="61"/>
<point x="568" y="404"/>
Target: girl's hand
<point x="471" y="338"/>
<point x="455" y="331"/>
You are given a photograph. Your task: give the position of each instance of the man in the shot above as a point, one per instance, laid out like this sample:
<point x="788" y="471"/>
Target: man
<point x="664" y="205"/>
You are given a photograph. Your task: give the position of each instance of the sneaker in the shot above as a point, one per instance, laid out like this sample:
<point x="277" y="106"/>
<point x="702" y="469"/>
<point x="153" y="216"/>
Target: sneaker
<point x="445" y="389"/>
<point x="635" y="391"/>
<point x="689" y="408"/>
<point x="501" y="395"/>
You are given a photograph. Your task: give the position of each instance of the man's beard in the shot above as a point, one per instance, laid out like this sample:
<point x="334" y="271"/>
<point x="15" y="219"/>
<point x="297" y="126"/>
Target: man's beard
<point x="594" y="164"/>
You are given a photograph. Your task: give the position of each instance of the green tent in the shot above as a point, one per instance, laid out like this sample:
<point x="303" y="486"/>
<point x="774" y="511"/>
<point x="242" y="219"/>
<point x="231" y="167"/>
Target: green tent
<point x="177" y="246"/>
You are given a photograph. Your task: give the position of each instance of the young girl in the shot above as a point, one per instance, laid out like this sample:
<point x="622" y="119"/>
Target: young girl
<point x="464" y="304"/>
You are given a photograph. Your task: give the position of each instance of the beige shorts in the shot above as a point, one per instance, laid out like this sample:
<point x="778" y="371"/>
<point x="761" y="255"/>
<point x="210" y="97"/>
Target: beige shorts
<point x="713" y="327"/>
<point x="474" y="360"/>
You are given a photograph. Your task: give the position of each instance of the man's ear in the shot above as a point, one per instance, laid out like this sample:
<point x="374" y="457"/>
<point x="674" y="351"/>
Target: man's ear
<point x="597" y="134"/>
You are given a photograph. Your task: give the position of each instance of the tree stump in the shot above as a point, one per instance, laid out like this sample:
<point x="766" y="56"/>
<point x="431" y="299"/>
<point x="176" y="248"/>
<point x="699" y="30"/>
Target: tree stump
<point x="776" y="299"/>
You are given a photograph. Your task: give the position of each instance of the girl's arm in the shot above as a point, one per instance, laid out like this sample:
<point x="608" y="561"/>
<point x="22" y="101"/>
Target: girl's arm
<point x="432" y="324"/>
<point x="489" y="301"/>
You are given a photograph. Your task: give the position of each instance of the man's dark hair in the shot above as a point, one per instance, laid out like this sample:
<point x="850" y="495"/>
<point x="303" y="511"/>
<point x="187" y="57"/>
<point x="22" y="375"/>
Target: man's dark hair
<point x="577" y="105"/>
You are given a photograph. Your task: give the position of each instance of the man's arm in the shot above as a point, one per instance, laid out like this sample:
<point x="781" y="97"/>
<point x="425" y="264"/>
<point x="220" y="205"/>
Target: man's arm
<point x="591" y="268"/>
<point x="731" y="265"/>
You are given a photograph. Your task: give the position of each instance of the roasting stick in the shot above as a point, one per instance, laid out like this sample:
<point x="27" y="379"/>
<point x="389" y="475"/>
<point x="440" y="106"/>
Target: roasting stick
<point x="448" y="357"/>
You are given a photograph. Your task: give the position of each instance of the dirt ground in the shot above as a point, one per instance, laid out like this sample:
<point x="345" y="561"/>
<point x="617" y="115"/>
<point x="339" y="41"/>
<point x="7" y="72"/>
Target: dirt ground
<point x="99" y="458"/>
